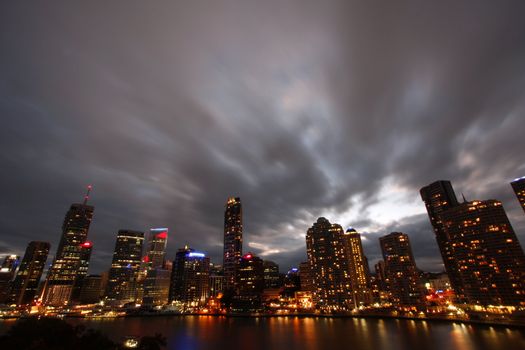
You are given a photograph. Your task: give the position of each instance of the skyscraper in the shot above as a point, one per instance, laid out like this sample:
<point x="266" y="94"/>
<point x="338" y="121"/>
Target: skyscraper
<point x="7" y="272"/>
<point x="358" y="271"/>
<point x="518" y="185"/>
<point x="400" y="267"/>
<point x="25" y="284"/>
<point x="328" y="260"/>
<point x="232" y="239"/>
<point x="156" y="247"/>
<point x="490" y="260"/>
<point x="190" y="277"/>
<point x="439" y="197"/>
<point x="155" y="280"/>
<point x="69" y="266"/>
<point x="122" y="282"/>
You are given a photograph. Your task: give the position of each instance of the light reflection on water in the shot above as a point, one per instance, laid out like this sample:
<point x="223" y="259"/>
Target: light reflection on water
<point x="290" y="333"/>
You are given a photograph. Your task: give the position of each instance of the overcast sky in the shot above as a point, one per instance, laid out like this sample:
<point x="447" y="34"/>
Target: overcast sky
<point x="301" y="108"/>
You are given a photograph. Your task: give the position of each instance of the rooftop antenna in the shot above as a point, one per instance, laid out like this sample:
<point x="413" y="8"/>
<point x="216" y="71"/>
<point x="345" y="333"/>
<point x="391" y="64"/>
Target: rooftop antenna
<point x="86" y="197"/>
<point x="464" y="199"/>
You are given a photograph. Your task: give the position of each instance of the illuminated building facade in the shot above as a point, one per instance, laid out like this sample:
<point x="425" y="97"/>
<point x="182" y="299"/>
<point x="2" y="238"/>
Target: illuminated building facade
<point x="7" y="272"/>
<point x="71" y="261"/>
<point x="154" y="280"/>
<point x="518" y="185"/>
<point x="190" y="277"/>
<point x="27" y="279"/>
<point x="358" y="269"/>
<point x="491" y="263"/>
<point x="232" y="239"/>
<point x="122" y="280"/>
<point x="400" y="268"/>
<point x="271" y="274"/>
<point x="156" y="247"/>
<point x="439" y="197"/>
<point x="328" y="262"/>
<point x="250" y="275"/>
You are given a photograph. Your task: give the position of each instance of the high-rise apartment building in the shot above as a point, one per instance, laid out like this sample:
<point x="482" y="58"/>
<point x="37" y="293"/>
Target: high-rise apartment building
<point x="122" y="281"/>
<point x="518" y="185"/>
<point x="27" y="279"/>
<point x="70" y="265"/>
<point x="439" y="197"/>
<point x="190" y="277"/>
<point x="328" y="260"/>
<point x="483" y="258"/>
<point x="401" y="271"/>
<point x="232" y="240"/>
<point x="358" y="269"/>
<point x="490" y="260"/>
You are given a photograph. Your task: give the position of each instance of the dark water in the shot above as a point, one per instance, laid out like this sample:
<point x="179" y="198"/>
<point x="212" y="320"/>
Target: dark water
<point x="206" y="332"/>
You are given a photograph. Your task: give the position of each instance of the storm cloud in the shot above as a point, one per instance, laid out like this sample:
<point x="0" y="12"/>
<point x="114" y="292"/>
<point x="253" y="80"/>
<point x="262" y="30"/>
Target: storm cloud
<point x="301" y="108"/>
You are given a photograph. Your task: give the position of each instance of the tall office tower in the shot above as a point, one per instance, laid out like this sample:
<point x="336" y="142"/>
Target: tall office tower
<point x="66" y="272"/>
<point x="305" y="274"/>
<point x="250" y="276"/>
<point x="401" y="270"/>
<point x="154" y="280"/>
<point x="490" y="259"/>
<point x="358" y="269"/>
<point x="156" y="247"/>
<point x="122" y="281"/>
<point x="518" y="185"/>
<point x="190" y="277"/>
<point x="232" y="240"/>
<point x="328" y="260"/>
<point x="85" y="255"/>
<point x="25" y="284"/>
<point x="439" y="197"/>
<point x="7" y="272"/>
<point x="271" y="274"/>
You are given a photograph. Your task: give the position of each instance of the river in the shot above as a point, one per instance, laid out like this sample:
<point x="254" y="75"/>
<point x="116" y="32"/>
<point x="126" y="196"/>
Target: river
<point x="290" y="333"/>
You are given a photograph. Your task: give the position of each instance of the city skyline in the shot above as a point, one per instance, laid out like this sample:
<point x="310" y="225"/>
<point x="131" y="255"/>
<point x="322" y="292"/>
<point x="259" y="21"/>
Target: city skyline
<point x="171" y="253"/>
<point x="317" y="110"/>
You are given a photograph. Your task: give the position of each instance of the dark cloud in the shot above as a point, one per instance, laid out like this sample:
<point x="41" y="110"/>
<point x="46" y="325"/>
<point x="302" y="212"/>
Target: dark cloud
<point x="300" y="108"/>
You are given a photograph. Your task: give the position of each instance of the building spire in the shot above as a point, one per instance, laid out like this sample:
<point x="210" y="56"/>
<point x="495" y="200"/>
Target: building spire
<point x="86" y="197"/>
<point x="464" y="199"/>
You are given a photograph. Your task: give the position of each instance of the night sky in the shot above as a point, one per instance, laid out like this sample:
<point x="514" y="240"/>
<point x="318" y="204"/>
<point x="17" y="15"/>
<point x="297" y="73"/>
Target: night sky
<point x="301" y="108"/>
